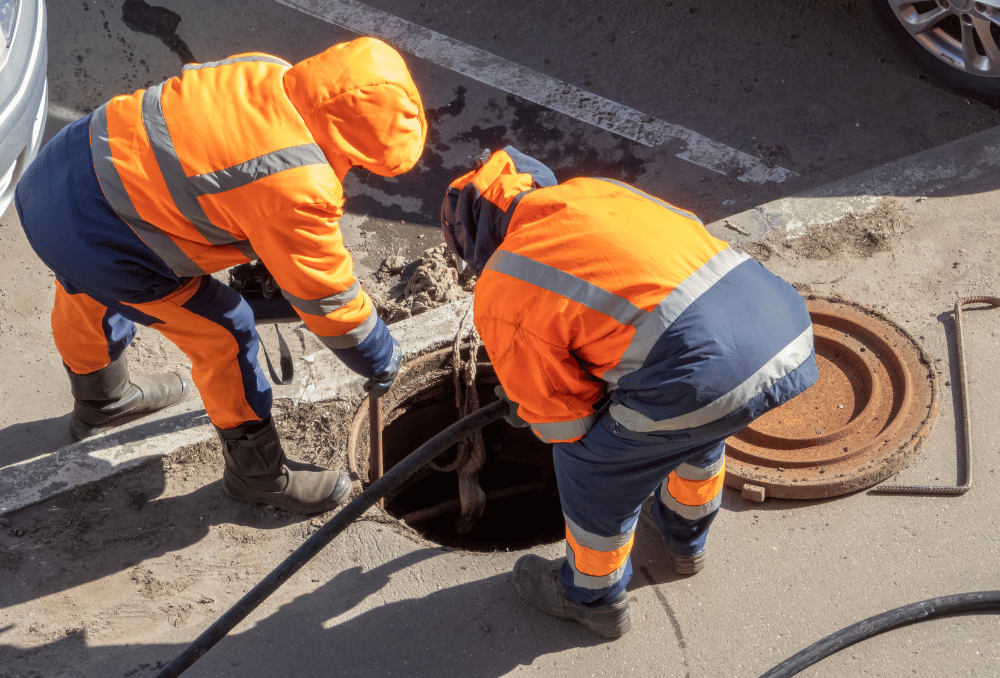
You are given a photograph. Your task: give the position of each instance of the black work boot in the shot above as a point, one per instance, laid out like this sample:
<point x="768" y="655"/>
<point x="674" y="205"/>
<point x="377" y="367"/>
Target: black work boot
<point x="109" y="397"/>
<point x="537" y="580"/>
<point x="681" y="563"/>
<point x="258" y="472"/>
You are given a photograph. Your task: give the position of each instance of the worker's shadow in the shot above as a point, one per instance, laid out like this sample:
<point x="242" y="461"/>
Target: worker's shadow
<point x="478" y="629"/>
<point x="650" y="567"/>
<point x="115" y="524"/>
<point x="28" y="439"/>
<point x="358" y="625"/>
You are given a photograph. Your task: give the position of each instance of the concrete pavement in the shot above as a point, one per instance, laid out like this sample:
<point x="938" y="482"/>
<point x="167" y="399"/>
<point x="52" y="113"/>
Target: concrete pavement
<point x="781" y="575"/>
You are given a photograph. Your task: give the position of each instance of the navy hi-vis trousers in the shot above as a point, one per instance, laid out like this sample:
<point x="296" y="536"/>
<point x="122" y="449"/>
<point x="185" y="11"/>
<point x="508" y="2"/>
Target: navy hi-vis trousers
<point x="603" y="479"/>
<point x="108" y="279"/>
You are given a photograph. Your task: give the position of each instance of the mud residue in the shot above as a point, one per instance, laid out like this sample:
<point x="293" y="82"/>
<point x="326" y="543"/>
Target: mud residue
<point x="855" y="235"/>
<point x="314" y="433"/>
<point x="431" y="281"/>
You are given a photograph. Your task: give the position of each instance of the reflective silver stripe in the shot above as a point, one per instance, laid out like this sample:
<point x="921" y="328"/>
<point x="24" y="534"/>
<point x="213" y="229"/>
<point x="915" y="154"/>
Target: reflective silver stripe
<point x="690" y="512"/>
<point x="586" y="581"/>
<point x="180" y="189"/>
<point x="596" y="542"/>
<point x="648" y="326"/>
<point x="355" y="336"/>
<point x="666" y="205"/>
<point x="651" y="326"/>
<point x="689" y="472"/>
<point x="566" y="285"/>
<point x="786" y="361"/>
<point x="326" y="305"/>
<point x="262" y="166"/>
<point x="554" y="431"/>
<point x="235" y="60"/>
<point x="246" y="249"/>
<point x="121" y="202"/>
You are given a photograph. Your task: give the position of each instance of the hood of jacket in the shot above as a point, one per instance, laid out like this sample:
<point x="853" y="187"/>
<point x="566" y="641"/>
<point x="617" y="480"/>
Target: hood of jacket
<point x="478" y="206"/>
<point x="361" y="106"/>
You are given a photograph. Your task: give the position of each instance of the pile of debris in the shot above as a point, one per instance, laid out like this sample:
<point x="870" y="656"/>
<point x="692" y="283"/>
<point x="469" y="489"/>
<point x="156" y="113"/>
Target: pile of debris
<point x="434" y="281"/>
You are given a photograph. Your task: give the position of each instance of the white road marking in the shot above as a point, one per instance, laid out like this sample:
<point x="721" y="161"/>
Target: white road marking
<point x="971" y="163"/>
<point x="539" y="88"/>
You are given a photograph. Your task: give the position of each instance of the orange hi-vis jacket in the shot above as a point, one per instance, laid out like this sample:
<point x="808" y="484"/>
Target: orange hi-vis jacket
<point x="243" y="159"/>
<point x="591" y="288"/>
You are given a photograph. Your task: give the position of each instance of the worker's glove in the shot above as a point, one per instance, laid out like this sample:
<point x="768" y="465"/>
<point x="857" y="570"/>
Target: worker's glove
<point x="380" y="384"/>
<point x="512" y="416"/>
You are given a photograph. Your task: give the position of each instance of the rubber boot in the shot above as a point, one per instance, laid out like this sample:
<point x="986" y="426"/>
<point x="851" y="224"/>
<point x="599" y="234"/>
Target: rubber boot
<point x="537" y="580"/>
<point x="258" y="472"/>
<point x="681" y="563"/>
<point x="109" y="397"/>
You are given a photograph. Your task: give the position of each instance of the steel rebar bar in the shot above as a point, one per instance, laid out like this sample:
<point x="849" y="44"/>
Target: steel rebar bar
<point x="965" y="467"/>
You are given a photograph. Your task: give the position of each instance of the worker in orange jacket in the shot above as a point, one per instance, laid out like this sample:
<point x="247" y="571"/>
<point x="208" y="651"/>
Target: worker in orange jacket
<point x="134" y="206"/>
<point x="626" y="335"/>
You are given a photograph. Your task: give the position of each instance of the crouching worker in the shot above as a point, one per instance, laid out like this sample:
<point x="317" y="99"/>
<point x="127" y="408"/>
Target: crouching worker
<point x="626" y="335"/>
<point x="136" y="204"/>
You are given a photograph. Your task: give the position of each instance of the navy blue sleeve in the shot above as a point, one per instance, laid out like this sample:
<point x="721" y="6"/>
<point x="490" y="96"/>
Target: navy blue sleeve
<point x="373" y="356"/>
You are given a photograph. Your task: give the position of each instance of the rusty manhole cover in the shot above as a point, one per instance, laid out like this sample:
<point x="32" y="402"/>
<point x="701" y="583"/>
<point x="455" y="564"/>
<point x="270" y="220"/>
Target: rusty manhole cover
<point x="873" y="407"/>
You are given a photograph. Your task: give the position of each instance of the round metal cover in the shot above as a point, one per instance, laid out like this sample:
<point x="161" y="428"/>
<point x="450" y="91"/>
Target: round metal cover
<point x="875" y="403"/>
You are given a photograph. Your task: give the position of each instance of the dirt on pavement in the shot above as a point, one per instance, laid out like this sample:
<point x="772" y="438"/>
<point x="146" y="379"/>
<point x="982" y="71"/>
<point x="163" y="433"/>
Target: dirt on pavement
<point x="118" y="554"/>
<point x="157" y="546"/>
<point x="854" y="234"/>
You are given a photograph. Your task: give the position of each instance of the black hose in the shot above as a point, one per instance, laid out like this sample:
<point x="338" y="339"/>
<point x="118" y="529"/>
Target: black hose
<point x="347" y="515"/>
<point x="901" y="616"/>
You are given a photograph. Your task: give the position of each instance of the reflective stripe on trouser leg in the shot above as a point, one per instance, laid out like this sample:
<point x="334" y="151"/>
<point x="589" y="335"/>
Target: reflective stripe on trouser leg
<point x="214" y="326"/>
<point x="693" y="492"/>
<point x="597" y="562"/>
<point x="88" y="335"/>
<point x="689" y="499"/>
<point x="603" y="479"/>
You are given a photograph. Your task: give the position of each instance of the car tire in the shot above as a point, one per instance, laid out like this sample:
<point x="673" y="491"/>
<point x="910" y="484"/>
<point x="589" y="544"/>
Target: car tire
<point x="938" y="51"/>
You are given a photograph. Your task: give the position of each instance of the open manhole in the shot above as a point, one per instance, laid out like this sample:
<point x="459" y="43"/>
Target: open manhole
<point x="521" y="503"/>
<point x="874" y="405"/>
<point x="871" y="410"/>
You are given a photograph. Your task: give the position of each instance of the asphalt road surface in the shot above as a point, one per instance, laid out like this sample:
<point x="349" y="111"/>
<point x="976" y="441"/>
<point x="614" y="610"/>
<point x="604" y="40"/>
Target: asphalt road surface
<point x="716" y="107"/>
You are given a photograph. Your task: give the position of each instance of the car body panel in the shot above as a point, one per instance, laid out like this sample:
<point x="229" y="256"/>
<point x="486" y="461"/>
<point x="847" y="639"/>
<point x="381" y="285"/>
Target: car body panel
<point x="23" y="89"/>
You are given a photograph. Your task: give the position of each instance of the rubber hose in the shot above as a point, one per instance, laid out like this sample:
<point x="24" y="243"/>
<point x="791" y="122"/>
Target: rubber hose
<point x="324" y="535"/>
<point x="901" y="616"/>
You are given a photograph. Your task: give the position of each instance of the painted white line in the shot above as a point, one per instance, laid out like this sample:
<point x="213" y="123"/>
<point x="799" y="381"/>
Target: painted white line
<point x="319" y="377"/>
<point x="539" y="88"/>
<point x="971" y="163"/>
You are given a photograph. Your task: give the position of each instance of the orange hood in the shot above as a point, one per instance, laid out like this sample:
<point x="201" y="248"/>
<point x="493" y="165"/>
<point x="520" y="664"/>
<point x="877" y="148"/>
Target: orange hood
<point x="361" y="106"/>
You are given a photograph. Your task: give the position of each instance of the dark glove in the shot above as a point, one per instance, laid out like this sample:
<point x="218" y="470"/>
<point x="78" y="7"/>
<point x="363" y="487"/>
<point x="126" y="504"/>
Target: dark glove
<point x="512" y="416"/>
<point x="378" y="386"/>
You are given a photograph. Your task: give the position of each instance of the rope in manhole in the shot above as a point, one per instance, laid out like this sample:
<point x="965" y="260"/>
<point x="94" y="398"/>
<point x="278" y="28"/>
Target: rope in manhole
<point x="472" y="448"/>
<point x="466" y="399"/>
